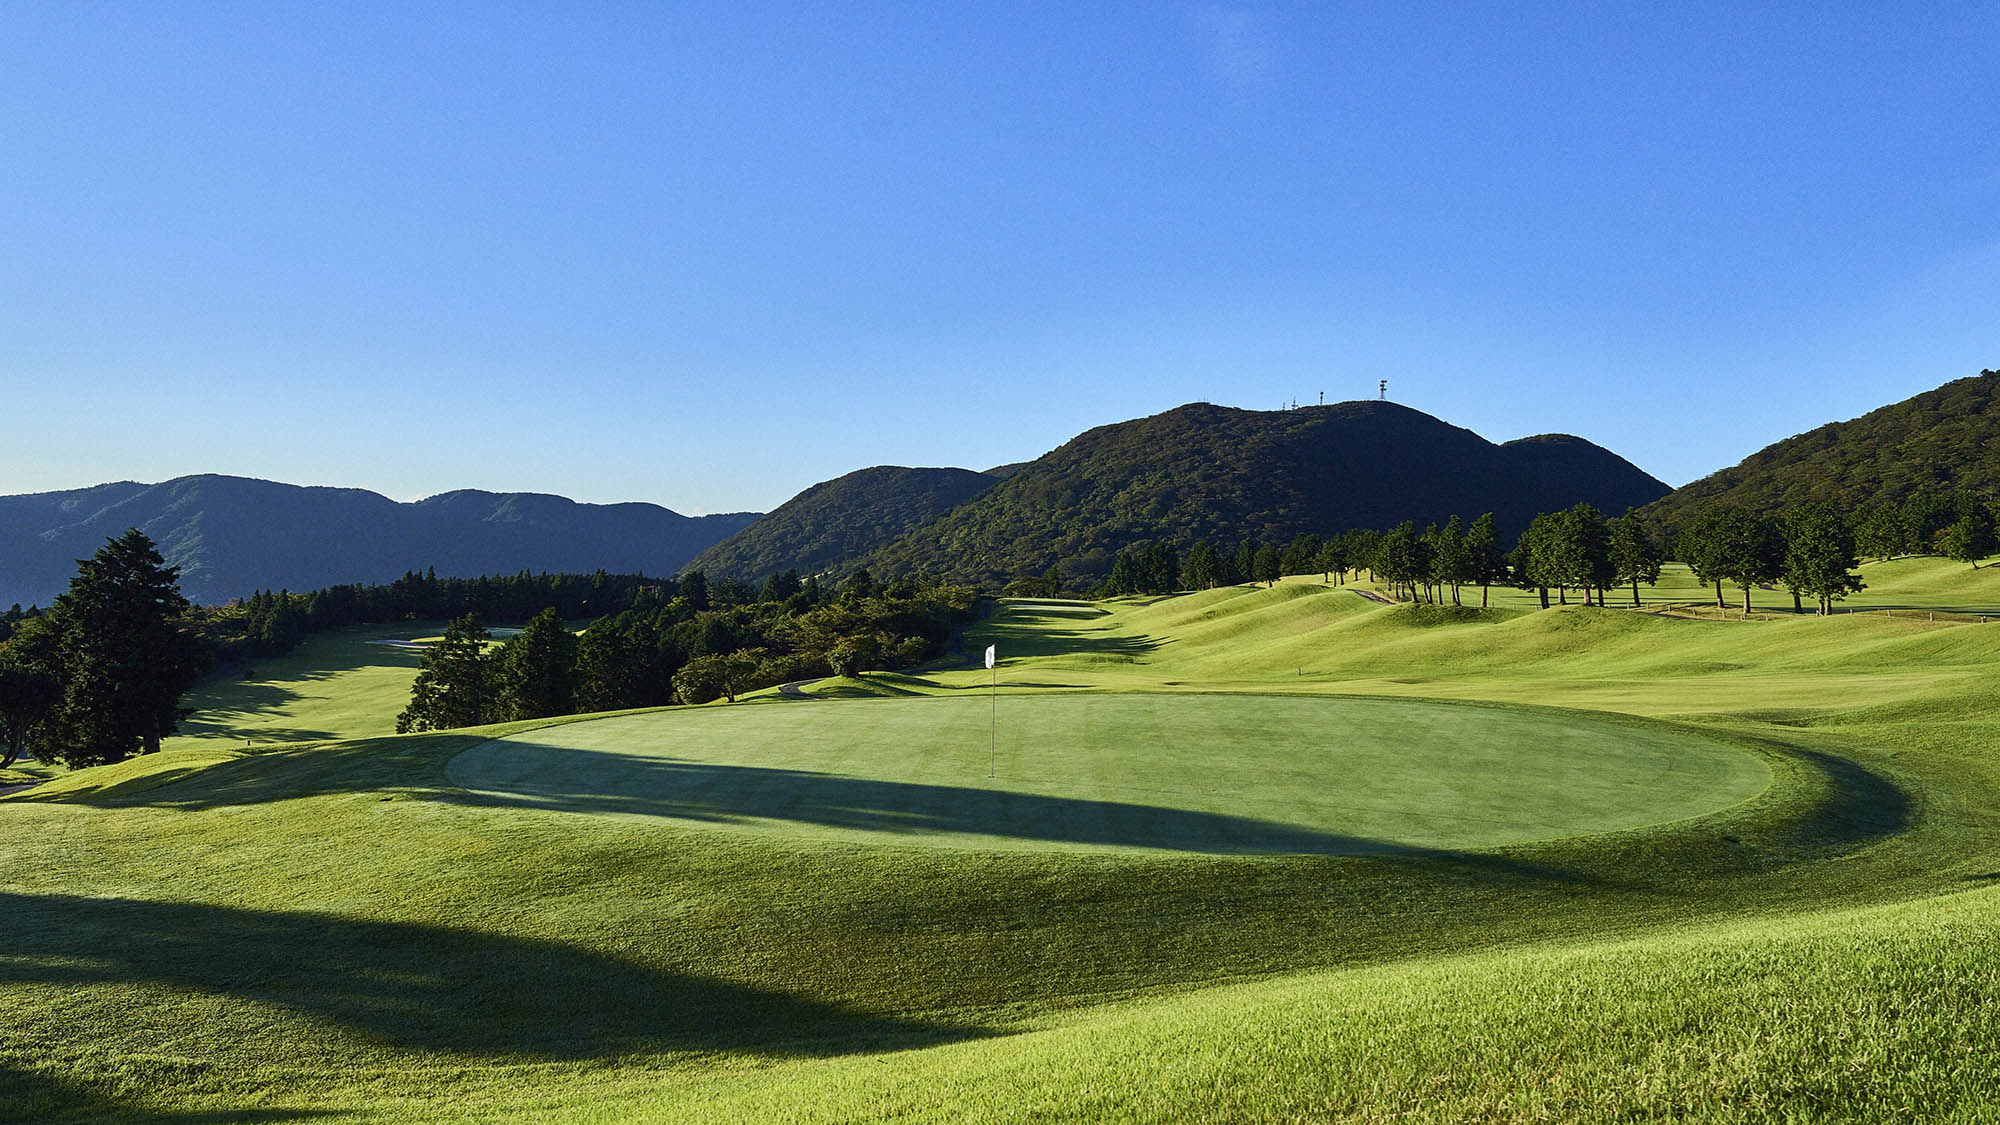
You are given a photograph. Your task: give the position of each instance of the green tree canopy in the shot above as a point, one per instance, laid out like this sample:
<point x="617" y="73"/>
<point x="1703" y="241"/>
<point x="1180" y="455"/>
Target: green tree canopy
<point x="453" y="687"/>
<point x="125" y="654"/>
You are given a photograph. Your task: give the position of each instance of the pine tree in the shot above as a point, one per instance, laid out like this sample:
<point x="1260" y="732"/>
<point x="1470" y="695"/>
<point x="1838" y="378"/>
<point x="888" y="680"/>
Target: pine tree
<point x="452" y="688"/>
<point x="29" y="685"/>
<point x="535" y="673"/>
<point x="124" y="655"/>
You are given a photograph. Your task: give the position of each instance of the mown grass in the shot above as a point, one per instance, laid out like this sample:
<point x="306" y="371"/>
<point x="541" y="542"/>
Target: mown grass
<point x="345" y="683"/>
<point x="342" y="929"/>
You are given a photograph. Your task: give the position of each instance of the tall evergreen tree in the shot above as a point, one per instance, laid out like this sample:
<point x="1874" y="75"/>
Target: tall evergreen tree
<point x="453" y="687"/>
<point x="125" y="655"/>
<point x="30" y="685"/>
<point x="535" y="672"/>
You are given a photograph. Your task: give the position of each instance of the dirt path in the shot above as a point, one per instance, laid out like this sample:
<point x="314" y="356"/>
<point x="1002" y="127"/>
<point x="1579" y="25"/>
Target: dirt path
<point x="797" y="688"/>
<point x="1371" y="596"/>
<point x="10" y="790"/>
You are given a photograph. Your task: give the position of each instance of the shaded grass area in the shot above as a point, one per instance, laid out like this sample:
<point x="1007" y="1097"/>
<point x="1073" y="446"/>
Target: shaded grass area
<point x="340" y="684"/>
<point x="340" y="928"/>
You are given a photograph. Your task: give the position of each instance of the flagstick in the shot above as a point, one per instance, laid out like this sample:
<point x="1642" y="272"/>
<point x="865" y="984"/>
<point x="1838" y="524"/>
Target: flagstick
<point x="993" y="726"/>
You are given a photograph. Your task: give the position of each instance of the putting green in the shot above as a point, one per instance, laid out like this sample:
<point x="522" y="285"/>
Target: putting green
<point x="1190" y="773"/>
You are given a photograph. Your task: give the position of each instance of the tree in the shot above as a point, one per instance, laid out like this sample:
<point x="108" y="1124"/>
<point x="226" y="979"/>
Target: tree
<point x="29" y="685"/>
<point x="1701" y="545"/>
<point x="608" y="663"/>
<point x="1332" y="560"/>
<point x="1879" y="535"/>
<point x="535" y="674"/>
<point x="1486" y="563"/>
<point x="706" y="678"/>
<point x="1635" y="557"/>
<point x="1399" y="559"/>
<point x="1246" y="561"/>
<point x="1199" y="570"/>
<point x="1581" y="552"/>
<point x="124" y="655"/>
<point x="1969" y="538"/>
<point x="1745" y="549"/>
<point x="1267" y="564"/>
<point x="1301" y="555"/>
<point x="1534" y="559"/>
<point x="452" y="687"/>
<point x="1819" y="556"/>
<point x="1451" y="559"/>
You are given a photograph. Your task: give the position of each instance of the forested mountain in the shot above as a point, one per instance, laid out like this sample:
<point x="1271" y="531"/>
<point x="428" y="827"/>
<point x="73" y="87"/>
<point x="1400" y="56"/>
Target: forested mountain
<point x="1939" y="440"/>
<point x="835" y="522"/>
<point x="1221" y="474"/>
<point x="232" y="536"/>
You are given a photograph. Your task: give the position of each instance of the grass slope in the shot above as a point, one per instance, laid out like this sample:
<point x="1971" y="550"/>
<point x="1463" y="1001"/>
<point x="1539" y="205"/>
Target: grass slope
<point x="343" y="929"/>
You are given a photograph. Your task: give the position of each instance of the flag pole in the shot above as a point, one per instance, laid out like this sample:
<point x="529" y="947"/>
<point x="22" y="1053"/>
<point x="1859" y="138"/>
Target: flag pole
<point x="993" y="721"/>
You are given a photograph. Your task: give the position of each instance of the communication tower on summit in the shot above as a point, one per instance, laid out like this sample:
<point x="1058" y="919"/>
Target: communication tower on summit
<point x="1382" y="390"/>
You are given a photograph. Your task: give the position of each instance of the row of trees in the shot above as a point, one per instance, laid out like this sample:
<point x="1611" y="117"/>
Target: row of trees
<point x="674" y="653"/>
<point x="1811" y="549"/>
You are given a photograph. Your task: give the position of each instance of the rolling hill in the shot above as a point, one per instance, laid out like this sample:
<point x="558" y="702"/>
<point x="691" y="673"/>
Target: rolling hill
<point x="833" y="523"/>
<point x="232" y="536"/>
<point x="1217" y="473"/>
<point x="1946" y="438"/>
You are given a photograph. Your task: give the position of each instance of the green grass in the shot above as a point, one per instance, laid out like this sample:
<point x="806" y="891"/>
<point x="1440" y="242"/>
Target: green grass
<point x="339" y="684"/>
<point x="1188" y="773"/>
<point x="841" y="920"/>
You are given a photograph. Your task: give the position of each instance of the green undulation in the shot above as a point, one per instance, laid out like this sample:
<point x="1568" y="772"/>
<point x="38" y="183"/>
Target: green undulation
<point x="813" y="909"/>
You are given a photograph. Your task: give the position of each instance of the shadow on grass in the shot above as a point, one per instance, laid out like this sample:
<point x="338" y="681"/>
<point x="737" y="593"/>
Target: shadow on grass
<point x="38" y="1095"/>
<point x="234" y="714"/>
<point x="582" y="781"/>
<point x="1027" y="629"/>
<point x="423" y="988"/>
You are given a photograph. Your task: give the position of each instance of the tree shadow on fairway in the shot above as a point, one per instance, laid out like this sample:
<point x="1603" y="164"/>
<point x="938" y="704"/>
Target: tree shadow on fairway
<point x="431" y="989"/>
<point x="39" y="1095"/>
<point x="1041" y="629"/>
<point x="519" y="773"/>
<point x="236" y="715"/>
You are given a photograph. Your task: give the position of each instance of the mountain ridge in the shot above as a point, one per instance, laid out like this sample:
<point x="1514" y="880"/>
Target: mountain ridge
<point x="1203" y="471"/>
<point x="1947" y="437"/>
<point x="234" y="535"/>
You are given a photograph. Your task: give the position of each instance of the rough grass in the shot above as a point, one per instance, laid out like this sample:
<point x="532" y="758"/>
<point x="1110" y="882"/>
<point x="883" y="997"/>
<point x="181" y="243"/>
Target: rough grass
<point x="340" y="929"/>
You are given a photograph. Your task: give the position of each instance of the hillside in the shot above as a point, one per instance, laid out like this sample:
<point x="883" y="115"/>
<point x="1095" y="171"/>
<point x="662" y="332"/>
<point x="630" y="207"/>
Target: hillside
<point x="1212" y="472"/>
<point x="232" y="536"/>
<point x="835" y="522"/>
<point x="1946" y="438"/>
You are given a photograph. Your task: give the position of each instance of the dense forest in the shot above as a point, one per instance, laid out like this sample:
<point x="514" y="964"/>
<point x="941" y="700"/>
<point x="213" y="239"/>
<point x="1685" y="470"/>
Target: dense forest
<point x="833" y="524"/>
<point x="1935" y="442"/>
<point x="1213" y="473"/>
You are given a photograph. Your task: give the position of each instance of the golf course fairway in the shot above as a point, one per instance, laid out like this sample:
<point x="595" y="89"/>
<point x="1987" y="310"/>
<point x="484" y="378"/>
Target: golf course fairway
<point x="1221" y="773"/>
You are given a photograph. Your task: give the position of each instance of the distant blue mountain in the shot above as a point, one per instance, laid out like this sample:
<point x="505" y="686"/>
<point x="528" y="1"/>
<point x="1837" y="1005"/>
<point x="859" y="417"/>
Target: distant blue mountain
<point x="232" y="536"/>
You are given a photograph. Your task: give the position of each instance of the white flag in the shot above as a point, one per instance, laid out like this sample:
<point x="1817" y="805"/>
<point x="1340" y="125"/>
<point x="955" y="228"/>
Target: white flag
<point x="989" y="656"/>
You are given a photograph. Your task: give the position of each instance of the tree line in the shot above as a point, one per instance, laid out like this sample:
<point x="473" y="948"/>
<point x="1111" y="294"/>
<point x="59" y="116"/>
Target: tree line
<point x="689" y="649"/>
<point x="1811" y="549"/>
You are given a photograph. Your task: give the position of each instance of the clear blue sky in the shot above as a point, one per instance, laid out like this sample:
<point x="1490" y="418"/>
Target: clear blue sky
<point x="708" y="254"/>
